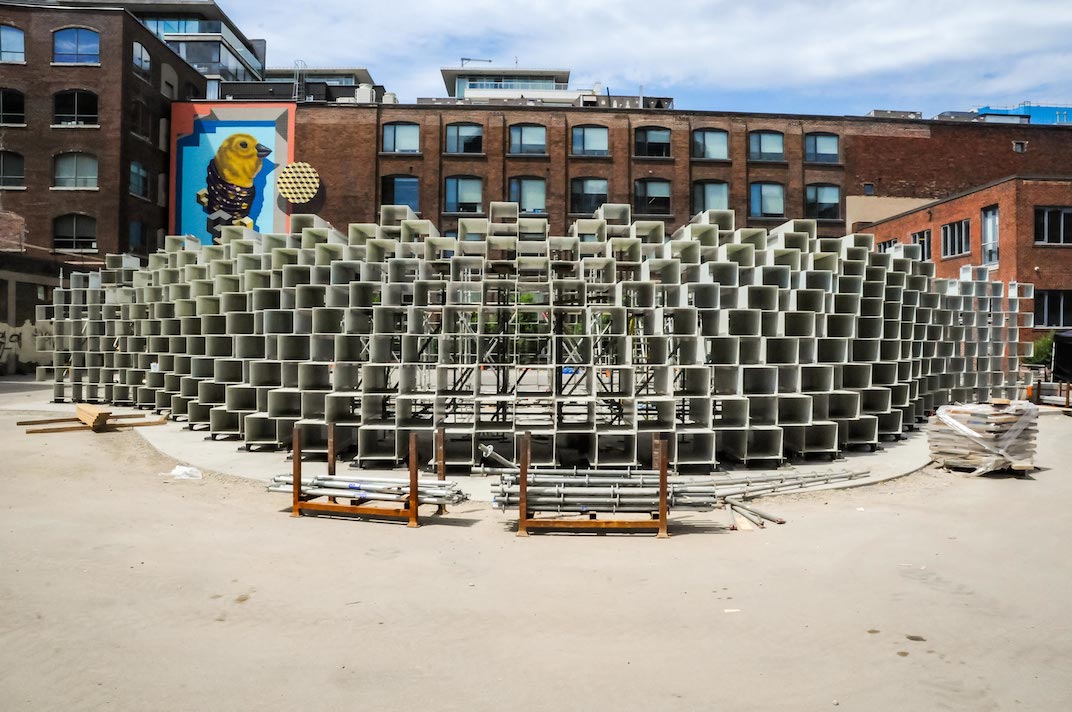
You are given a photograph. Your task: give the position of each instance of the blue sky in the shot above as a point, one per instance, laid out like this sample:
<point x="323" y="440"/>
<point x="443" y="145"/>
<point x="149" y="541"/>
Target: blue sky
<point x="811" y="56"/>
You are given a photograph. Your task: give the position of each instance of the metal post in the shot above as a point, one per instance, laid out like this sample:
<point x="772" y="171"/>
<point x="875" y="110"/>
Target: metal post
<point x="523" y="482"/>
<point x="414" y="499"/>
<point x="296" y="471"/>
<point x="441" y="461"/>
<point x="663" y="466"/>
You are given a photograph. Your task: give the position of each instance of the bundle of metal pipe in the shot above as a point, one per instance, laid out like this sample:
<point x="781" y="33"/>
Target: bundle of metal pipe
<point x="380" y="489"/>
<point x="552" y="491"/>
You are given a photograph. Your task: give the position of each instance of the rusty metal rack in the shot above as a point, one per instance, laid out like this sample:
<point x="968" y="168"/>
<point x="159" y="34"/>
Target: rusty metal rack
<point x="656" y="523"/>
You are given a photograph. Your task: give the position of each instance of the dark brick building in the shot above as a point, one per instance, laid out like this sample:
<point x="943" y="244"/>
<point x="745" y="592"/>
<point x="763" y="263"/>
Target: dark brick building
<point x="669" y="165"/>
<point x="1020" y="226"/>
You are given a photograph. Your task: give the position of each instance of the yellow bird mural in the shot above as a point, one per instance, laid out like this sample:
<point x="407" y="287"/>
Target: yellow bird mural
<point x="229" y="192"/>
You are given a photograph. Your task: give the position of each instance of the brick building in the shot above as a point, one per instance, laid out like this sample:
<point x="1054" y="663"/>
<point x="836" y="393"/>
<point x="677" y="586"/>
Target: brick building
<point x="1020" y="226"/>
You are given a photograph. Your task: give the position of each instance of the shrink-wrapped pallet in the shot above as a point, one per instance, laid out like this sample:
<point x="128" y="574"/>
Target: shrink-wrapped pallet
<point x="985" y="437"/>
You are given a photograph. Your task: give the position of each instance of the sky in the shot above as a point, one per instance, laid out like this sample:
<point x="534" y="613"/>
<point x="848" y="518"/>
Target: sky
<point x="810" y="56"/>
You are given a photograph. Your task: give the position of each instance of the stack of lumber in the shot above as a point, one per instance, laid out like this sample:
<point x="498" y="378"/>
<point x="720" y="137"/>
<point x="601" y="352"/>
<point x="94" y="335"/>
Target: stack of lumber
<point x="90" y="417"/>
<point x="985" y="437"/>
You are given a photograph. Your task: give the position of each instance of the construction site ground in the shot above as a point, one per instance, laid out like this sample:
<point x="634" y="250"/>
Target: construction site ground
<point x="124" y="589"/>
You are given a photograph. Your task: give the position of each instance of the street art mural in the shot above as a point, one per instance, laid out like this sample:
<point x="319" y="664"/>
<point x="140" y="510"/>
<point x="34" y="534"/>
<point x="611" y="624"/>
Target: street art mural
<point x="23" y="346"/>
<point x="226" y="162"/>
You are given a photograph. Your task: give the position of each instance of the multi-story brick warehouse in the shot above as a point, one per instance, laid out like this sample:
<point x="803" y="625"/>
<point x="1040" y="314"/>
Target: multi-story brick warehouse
<point x="1020" y="226"/>
<point x="450" y="161"/>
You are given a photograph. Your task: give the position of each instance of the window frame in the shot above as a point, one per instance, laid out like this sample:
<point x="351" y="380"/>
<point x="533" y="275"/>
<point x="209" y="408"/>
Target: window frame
<point x="81" y="58"/>
<point x="139" y="171"/>
<point x="641" y="190"/>
<point x="457" y="205"/>
<point x="1042" y="303"/>
<point x="77" y="93"/>
<point x="77" y="179"/>
<point x="699" y="147"/>
<point x="1064" y="224"/>
<point x="984" y="244"/>
<point x="519" y="183"/>
<point x="702" y="184"/>
<point x="142" y="72"/>
<point x="393" y="126"/>
<point x="925" y="238"/>
<point x="458" y="142"/>
<point x="885" y="246"/>
<point x="141" y="118"/>
<point x="589" y="152"/>
<point x="756" y="211"/>
<point x="22" y="52"/>
<point x="518" y="147"/>
<point x="647" y="143"/>
<point x="812" y="205"/>
<point x="75" y="218"/>
<point x="810" y="154"/>
<point x="579" y="198"/>
<point x="6" y="94"/>
<point x="415" y="207"/>
<point x="757" y="153"/>
<point x="956" y="234"/>
<point x="12" y="180"/>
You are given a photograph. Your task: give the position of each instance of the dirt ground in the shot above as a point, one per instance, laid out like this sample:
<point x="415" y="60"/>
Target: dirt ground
<point x="121" y="589"/>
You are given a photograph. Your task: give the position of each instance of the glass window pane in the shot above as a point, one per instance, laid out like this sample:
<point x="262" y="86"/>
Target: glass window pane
<point x="828" y="194"/>
<point x="715" y="196"/>
<point x="826" y="144"/>
<point x="407" y="138"/>
<point x="469" y="190"/>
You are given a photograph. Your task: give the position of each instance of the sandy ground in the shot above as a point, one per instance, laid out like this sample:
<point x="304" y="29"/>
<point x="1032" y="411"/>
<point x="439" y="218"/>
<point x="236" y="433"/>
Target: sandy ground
<point x="121" y="589"/>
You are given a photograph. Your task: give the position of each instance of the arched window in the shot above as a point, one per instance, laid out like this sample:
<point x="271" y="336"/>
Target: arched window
<point x="76" y="45"/>
<point x="465" y="138"/>
<point x="12" y="44"/>
<point x="766" y="146"/>
<point x="710" y="195"/>
<point x="821" y="148"/>
<point x="143" y="64"/>
<point x="528" y="139"/>
<point x="590" y="141"/>
<point x="530" y="193"/>
<point x="400" y="190"/>
<point x="710" y="143"/>
<point x="12" y="107"/>
<point x="12" y="170"/>
<point x="652" y="196"/>
<point x="75" y="108"/>
<point x="74" y="170"/>
<point x="399" y="137"/>
<point x="767" y="200"/>
<point x="465" y="194"/>
<point x="74" y="233"/>
<point x="652" y="141"/>
<point x="822" y="201"/>
<point x="587" y="194"/>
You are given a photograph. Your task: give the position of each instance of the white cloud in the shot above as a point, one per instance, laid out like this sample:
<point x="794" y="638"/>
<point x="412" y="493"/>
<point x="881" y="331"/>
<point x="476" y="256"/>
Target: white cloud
<point x="917" y="49"/>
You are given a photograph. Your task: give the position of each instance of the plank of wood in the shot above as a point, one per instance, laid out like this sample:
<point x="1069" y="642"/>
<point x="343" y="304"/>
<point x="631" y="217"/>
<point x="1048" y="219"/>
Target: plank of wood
<point x="66" y="429"/>
<point x="47" y="421"/>
<point x="143" y="424"/>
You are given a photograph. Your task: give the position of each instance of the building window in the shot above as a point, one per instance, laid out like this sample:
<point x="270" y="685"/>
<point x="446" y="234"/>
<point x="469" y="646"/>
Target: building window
<point x="766" y="146"/>
<point x="136" y="236"/>
<point x="652" y="196"/>
<point x="139" y="180"/>
<point x="77" y="233"/>
<point x="465" y="138"/>
<point x="12" y="107"/>
<point x="464" y="195"/>
<point x="75" y="108"/>
<point x="956" y="238"/>
<point x="923" y="239"/>
<point x="885" y="245"/>
<point x="822" y="202"/>
<point x="869" y="188"/>
<point x="1053" y="226"/>
<point x="12" y="170"/>
<point x="141" y="121"/>
<point x="12" y="44"/>
<point x="76" y="45"/>
<point x="74" y="170"/>
<point x="989" y="235"/>
<point x="530" y="194"/>
<point x="143" y="65"/>
<point x="401" y="138"/>
<point x="1019" y="146"/>
<point x="767" y="200"/>
<point x="528" y="139"/>
<point x="591" y="141"/>
<point x="710" y="195"/>
<point x="400" y="190"/>
<point x="587" y="194"/>
<point x="652" y="142"/>
<point x="1053" y="307"/>
<point x="710" y="143"/>
<point x="821" y="148"/>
